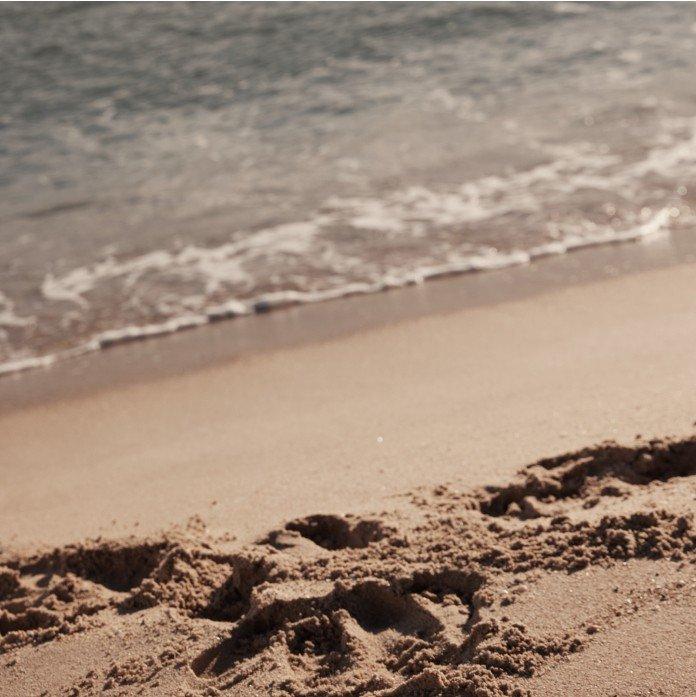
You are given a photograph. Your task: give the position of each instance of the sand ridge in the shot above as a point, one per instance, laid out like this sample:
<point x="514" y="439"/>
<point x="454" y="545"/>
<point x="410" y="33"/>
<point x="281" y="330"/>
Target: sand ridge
<point x="457" y="593"/>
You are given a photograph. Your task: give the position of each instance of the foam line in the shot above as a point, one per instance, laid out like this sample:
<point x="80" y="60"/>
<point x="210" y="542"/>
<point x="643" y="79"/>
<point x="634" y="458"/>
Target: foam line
<point x="278" y="300"/>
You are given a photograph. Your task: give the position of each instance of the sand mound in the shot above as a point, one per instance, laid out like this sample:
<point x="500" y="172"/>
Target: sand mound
<point x="439" y="601"/>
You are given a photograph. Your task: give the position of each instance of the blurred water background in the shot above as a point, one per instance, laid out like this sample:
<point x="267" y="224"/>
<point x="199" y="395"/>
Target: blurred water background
<point x="164" y="165"/>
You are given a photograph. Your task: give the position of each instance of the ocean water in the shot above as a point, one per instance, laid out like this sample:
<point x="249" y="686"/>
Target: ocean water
<point x="163" y="166"/>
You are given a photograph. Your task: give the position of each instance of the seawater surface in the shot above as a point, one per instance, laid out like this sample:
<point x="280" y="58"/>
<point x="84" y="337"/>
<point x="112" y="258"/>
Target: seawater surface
<point x="165" y="165"/>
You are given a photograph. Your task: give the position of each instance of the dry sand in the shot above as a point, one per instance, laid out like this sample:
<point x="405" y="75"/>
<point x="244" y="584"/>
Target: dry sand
<point x="416" y="561"/>
<point x="566" y="580"/>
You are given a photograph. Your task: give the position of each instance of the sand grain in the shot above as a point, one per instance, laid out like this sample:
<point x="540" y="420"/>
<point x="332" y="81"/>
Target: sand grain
<point x="452" y="593"/>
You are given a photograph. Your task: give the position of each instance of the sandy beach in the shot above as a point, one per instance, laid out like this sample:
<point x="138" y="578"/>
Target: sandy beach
<point x="372" y="520"/>
<point x="347" y="349"/>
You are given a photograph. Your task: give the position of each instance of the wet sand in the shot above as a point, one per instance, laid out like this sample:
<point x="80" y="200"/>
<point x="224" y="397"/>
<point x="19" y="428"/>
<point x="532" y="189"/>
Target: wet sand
<point x="424" y="588"/>
<point x="471" y="395"/>
<point x="220" y="343"/>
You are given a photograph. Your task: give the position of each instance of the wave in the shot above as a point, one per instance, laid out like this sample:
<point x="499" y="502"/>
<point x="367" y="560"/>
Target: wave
<point x="408" y="214"/>
<point x="362" y="245"/>
<point x="659" y="222"/>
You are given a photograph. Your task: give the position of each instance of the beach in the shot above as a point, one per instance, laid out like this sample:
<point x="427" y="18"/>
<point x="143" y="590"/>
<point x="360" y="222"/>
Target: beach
<point x="372" y="520"/>
<point x="347" y="349"/>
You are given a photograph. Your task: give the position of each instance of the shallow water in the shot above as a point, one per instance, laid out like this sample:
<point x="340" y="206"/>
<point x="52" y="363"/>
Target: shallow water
<point x="164" y="165"/>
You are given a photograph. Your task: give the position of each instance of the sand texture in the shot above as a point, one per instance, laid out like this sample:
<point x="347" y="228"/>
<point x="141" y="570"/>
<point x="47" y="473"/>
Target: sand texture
<point x="468" y="396"/>
<point x="575" y="577"/>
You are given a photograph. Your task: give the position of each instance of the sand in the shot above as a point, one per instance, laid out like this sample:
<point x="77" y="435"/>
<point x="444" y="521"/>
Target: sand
<point x="357" y="516"/>
<point x="508" y="590"/>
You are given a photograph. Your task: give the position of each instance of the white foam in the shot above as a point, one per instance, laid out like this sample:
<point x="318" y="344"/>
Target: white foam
<point x="8" y="317"/>
<point x="408" y="211"/>
<point x="114" y="337"/>
<point x="238" y="266"/>
<point x="484" y="260"/>
<point x="216" y="264"/>
<point x="21" y="364"/>
<point x="478" y="200"/>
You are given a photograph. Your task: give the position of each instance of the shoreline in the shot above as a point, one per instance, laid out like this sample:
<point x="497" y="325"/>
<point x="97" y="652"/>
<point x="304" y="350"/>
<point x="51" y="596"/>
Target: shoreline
<point x="235" y="308"/>
<point x="309" y="519"/>
<point x="203" y="344"/>
<point x="348" y="351"/>
<point x="469" y="395"/>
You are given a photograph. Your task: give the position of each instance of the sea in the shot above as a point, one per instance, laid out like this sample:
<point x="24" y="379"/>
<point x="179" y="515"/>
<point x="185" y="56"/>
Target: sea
<point x="163" y="166"/>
